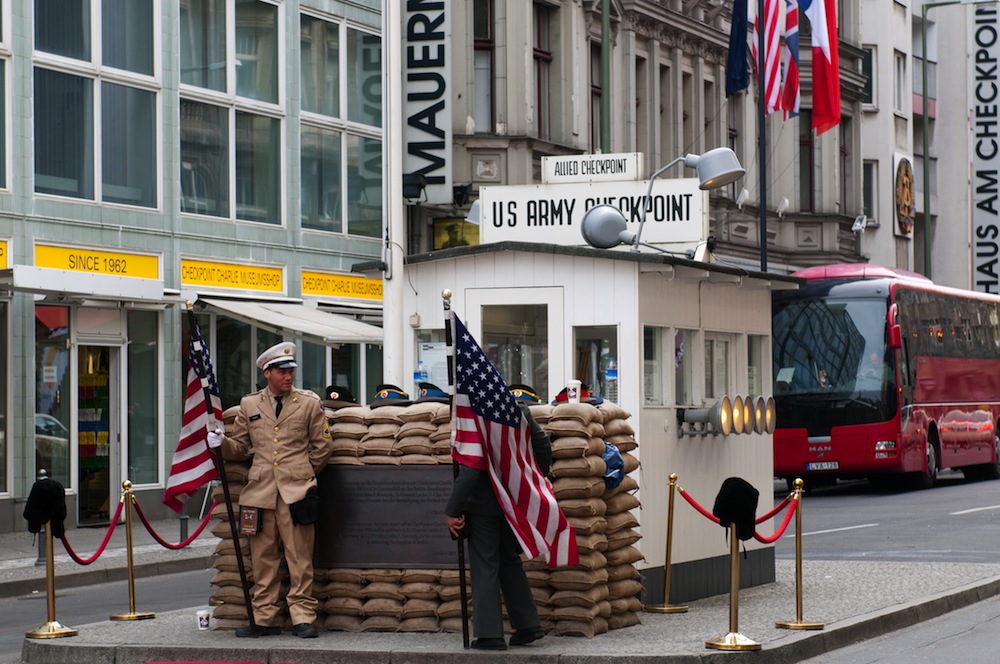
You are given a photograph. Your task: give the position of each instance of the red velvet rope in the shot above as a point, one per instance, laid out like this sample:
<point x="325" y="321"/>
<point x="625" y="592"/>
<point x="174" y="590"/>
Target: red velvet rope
<point x="100" y="549"/>
<point x="704" y="512"/>
<point x="781" y="531"/>
<point x="777" y="509"/>
<point x="181" y="545"/>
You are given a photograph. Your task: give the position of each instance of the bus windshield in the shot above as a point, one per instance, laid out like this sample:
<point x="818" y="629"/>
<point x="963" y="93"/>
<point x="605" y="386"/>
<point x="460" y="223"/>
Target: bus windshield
<point x="832" y="365"/>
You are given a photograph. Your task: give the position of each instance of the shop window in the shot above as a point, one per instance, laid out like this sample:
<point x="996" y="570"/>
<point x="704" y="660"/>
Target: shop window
<point x="515" y="339"/>
<point x="683" y="367"/>
<point x="143" y="417"/>
<point x="595" y="354"/>
<point x="52" y="392"/>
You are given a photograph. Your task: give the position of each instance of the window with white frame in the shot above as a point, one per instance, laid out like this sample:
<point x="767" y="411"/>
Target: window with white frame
<point x="684" y="367"/>
<point x="341" y="136"/>
<point x="718" y="357"/>
<point x="899" y="82"/>
<point x="870" y="189"/>
<point x="95" y="101"/>
<point x="484" y="48"/>
<point x="231" y="102"/>
<point x="869" y="99"/>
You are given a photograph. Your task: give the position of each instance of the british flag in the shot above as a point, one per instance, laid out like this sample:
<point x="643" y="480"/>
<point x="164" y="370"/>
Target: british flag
<point x="489" y="432"/>
<point x="790" y="93"/>
<point x="193" y="464"/>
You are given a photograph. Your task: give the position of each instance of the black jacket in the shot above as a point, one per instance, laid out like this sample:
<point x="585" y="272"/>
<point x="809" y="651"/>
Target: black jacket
<point x="46" y="502"/>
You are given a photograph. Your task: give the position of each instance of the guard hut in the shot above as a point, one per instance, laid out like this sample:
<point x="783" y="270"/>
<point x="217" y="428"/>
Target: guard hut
<point x="665" y="333"/>
<point x="668" y="338"/>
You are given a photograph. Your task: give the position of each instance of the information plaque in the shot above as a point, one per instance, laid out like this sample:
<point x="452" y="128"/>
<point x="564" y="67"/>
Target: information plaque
<point x="384" y="516"/>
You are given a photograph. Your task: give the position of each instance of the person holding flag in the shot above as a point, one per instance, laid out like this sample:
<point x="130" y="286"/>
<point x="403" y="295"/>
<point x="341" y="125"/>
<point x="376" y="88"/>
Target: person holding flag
<point x="284" y="432"/>
<point x="501" y="500"/>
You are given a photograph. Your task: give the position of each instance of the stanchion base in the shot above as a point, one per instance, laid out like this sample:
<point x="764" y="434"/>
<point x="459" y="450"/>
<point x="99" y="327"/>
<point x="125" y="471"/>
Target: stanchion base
<point x="733" y="641"/>
<point x="51" y="630"/>
<point x="664" y="608"/>
<point x="132" y="616"/>
<point x="798" y="624"/>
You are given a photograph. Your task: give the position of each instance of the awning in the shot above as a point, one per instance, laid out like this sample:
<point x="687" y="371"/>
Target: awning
<point x="298" y="320"/>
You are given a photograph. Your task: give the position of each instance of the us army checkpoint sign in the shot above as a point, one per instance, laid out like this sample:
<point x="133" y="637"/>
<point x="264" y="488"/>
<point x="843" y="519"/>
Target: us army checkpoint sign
<point x="677" y="210"/>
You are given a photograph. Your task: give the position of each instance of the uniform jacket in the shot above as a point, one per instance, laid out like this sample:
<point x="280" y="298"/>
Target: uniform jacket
<point x="286" y="452"/>
<point x="473" y="491"/>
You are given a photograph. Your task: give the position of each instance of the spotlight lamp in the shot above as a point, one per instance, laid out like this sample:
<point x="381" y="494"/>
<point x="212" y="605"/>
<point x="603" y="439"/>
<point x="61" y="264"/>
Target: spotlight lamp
<point x="741" y="414"/>
<point x="604" y="226"/>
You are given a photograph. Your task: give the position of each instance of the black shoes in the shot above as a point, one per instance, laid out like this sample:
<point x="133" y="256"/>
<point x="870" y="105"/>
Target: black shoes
<point x="523" y="637"/>
<point x="253" y="631"/>
<point x="305" y="631"/>
<point x="489" y="644"/>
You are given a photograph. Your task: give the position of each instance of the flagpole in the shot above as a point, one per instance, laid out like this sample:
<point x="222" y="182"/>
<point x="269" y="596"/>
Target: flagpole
<point x="450" y="343"/>
<point x="761" y="134"/>
<point x="221" y="470"/>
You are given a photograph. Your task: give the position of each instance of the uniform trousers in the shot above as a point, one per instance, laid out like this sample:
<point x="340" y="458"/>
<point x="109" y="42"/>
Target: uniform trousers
<point x="495" y="563"/>
<point x="274" y="527"/>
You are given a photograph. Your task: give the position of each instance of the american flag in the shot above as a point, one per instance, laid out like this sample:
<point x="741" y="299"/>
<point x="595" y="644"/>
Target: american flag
<point x="771" y="84"/>
<point x="790" y="93"/>
<point x="489" y="432"/>
<point x="193" y="463"/>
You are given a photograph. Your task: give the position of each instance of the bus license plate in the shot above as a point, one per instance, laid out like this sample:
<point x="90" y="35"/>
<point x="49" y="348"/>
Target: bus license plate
<point x="823" y="465"/>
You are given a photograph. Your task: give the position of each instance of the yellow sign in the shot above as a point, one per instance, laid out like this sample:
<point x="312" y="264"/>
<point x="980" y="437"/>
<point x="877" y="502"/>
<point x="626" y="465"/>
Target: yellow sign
<point x="3" y="254"/>
<point x="340" y="285"/>
<point x="232" y="275"/>
<point x="96" y="261"/>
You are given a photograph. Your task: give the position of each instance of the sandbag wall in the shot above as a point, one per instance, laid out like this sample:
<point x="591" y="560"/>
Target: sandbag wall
<point x="598" y="595"/>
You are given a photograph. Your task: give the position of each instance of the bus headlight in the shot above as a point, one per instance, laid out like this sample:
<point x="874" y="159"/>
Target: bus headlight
<point x="885" y="449"/>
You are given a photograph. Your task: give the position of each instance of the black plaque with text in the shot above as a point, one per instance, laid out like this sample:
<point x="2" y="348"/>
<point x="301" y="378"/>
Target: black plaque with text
<point x="384" y="516"/>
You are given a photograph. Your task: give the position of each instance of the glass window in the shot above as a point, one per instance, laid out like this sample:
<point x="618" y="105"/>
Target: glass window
<point x="717" y="349"/>
<point x="128" y="167"/>
<point x="595" y="97"/>
<point x="203" y="43"/>
<point x="204" y="159"/>
<point x="482" y="65"/>
<point x="127" y="35"/>
<point x="543" y="57"/>
<point x="258" y="168"/>
<point x="807" y="148"/>
<point x="899" y="83"/>
<point x="52" y="392"/>
<point x="653" y="371"/>
<point x="265" y="339"/>
<point x="233" y="359"/>
<point x="373" y="369"/>
<point x="683" y="367"/>
<point x="364" y="78"/>
<point x="4" y="430"/>
<point x="868" y="69"/>
<point x="364" y="186"/>
<point x="143" y="397"/>
<point x="64" y="134"/>
<point x="870" y="186"/>
<point x="756" y="346"/>
<point x="312" y="367"/>
<point x="257" y="50"/>
<point x="321" y="179"/>
<point x="345" y="370"/>
<point x="319" y="55"/>
<point x="516" y="339"/>
<point x="62" y="27"/>
<point x="595" y="354"/>
<point x="3" y="126"/>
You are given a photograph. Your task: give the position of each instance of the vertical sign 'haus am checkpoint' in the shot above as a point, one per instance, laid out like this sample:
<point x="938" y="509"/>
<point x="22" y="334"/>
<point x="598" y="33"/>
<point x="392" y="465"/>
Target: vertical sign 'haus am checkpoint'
<point x="426" y="103"/>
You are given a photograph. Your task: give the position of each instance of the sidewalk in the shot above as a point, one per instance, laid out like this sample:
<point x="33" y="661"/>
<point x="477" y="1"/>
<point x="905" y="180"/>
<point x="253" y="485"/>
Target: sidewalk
<point x="854" y="600"/>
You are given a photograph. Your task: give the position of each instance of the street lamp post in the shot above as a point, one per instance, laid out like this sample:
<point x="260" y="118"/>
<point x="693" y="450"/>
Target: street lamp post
<point x="926" y="7"/>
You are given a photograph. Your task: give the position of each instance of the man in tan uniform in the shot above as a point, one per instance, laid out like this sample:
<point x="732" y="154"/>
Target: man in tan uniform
<point x="284" y="432"/>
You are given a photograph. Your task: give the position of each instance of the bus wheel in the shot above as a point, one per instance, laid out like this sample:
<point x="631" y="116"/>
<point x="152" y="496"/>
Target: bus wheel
<point x="926" y="478"/>
<point x="991" y="471"/>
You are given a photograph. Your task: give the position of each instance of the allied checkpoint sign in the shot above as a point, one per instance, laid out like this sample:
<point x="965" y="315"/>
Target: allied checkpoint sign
<point x="553" y="213"/>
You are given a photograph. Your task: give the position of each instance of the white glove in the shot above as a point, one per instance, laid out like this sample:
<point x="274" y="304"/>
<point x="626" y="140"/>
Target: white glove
<point x="215" y="438"/>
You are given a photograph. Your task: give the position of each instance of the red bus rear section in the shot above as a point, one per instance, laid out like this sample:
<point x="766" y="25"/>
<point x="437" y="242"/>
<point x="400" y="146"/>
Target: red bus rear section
<point x="879" y="373"/>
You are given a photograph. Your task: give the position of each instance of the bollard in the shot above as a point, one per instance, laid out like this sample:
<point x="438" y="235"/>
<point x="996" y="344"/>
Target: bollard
<point x="665" y="607"/>
<point x="184" y="527"/>
<point x="798" y="623"/>
<point x="733" y="640"/>
<point x="52" y="629"/>
<point x="128" y="499"/>
<point x="42" y="474"/>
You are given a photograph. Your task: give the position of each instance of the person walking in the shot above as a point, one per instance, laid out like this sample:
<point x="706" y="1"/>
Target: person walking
<point x="284" y="432"/>
<point x="494" y="553"/>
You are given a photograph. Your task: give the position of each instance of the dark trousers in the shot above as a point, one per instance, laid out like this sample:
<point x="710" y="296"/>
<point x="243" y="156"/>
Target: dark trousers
<point x="495" y="560"/>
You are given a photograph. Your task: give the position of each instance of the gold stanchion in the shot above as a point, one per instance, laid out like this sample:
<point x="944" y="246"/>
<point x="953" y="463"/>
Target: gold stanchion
<point x="798" y="623"/>
<point x="665" y="607"/>
<point x="52" y="629"/>
<point x="733" y="640"/>
<point x="128" y="499"/>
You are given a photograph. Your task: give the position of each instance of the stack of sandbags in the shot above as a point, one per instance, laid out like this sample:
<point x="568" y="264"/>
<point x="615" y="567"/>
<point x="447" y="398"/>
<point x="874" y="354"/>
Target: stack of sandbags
<point x="623" y="577"/>
<point x="347" y="428"/>
<point x="378" y="445"/>
<point x="382" y="600"/>
<point x="414" y="437"/>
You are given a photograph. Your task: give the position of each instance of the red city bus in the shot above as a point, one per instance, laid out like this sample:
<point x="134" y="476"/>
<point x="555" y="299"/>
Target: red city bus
<point x="878" y="373"/>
